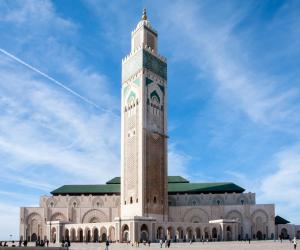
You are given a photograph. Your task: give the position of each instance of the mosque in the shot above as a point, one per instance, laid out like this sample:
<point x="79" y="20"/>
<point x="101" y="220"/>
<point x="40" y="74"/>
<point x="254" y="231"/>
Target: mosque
<point x="145" y="203"/>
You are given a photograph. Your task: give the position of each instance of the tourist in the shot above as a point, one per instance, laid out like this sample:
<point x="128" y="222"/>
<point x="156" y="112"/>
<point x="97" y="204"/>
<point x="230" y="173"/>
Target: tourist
<point x="295" y="243"/>
<point x="149" y="242"/>
<point x="166" y="243"/>
<point x="66" y="245"/>
<point x="106" y="245"/>
<point x="47" y="243"/>
<point x="161" y="243"/>
<point x="169" y="243"/>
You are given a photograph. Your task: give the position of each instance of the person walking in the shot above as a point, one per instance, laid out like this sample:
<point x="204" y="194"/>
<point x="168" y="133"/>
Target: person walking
<point x="169" y="243"/>
<point x="106" y="245"/>
<point x="295" y="243"/>
<point x="161" y="243"/>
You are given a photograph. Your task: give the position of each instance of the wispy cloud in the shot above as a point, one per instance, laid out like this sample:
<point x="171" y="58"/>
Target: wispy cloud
<point x="283" y="186"/>
<point x="215" y="48"/>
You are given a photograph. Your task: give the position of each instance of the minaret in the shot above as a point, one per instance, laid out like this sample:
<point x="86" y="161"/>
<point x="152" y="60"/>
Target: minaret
<point x="144" y="127"/>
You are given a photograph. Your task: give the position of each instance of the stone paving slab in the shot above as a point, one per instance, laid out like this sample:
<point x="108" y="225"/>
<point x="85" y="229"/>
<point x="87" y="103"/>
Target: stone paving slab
<point x="254" y="245"/>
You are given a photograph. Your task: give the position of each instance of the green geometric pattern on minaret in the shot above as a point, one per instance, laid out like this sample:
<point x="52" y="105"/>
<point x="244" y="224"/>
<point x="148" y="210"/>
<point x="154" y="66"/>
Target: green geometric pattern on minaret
<point x="137" y="82"/>
<point x="148" y="81"/>
<point x="162" y="88"/>
<point x="131" y="96"/>
<point x="144" y="59"/>
<point x="154" y="64"/>
<point x="154" y="94"/>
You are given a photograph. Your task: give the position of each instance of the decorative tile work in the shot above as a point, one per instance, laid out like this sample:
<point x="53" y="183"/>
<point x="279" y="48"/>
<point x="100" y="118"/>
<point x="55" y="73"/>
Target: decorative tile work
<point x="154" y="94"/>
<point x="148" y="81"/>
<point x="143" y="59"/>
<point x="154" y="64"/>
<point x="162" y="88"/>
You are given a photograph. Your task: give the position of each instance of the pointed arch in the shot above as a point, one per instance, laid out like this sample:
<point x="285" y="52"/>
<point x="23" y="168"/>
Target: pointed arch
<point x="94" y="216"/>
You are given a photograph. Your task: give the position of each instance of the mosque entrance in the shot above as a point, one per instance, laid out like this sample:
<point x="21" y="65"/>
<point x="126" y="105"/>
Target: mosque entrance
<point x="229" y="233"/>
<point x="284" y="233"/>
<point x="125" y="233"/>
<point x="34" y="237"/>
<point x="144" y="233"/>
<point x="259" y="235"/>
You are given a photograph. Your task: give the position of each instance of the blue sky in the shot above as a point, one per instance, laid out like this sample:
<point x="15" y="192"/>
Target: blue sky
<point x="234" y="91"/>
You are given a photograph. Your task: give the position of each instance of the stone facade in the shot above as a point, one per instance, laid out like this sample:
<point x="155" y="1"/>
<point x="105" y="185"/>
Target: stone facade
<point x="97" y="218"/>
<point x="143" y="208"/>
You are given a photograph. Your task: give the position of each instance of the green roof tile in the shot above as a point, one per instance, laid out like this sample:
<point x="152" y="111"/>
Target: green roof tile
<point x="176" y="184"/>
<point x="280" y="220"/>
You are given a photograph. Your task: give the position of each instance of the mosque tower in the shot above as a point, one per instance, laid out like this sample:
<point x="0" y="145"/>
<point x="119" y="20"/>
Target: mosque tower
<point x="144" y="128"/>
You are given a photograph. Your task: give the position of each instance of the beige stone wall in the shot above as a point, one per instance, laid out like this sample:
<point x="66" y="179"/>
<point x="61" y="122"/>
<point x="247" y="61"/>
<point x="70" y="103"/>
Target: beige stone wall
<point x="212" y="199"/>
<point x="253" y="218"/>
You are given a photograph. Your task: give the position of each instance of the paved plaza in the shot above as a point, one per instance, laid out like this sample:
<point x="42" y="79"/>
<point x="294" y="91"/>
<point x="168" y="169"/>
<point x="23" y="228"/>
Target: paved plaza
<point x="255" y="245"/>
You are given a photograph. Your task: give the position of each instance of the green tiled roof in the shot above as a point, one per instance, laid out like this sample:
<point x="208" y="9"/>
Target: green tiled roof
<point x="280" y="220"/>
<point x="176" y="184"/>
<point x="87" y="189"/>
<point x="212" y="187"/>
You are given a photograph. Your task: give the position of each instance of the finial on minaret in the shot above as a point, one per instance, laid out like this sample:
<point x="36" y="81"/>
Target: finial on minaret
<point x="144" y="17"/>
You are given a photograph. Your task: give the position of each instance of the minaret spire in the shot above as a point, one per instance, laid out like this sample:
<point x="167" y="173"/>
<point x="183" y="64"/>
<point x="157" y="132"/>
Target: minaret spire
<point x="144" y="17"/>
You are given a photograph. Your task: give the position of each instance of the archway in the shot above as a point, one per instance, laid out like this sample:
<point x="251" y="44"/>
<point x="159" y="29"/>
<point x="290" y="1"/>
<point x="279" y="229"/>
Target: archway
<point x="170" y="233"/>
<point x="214" y="233"/>
<point x="88" y="235"/>
<point x="96" y="235"/>
<point x="35" y="228"/>
<point x="206" y="233"/>
<point x="228" y="233"/>
<point x="189" y="233"/>
<point x="144" y="233"/>
<point x="103" y="234"/>
<point x="111" y="233"/>
<point x="67" y="237"/>
<point x="34" y="237"/>
<point x="58" y="217"/>
<point x="160" y="234"/>
<point x="73" y="234"/>
<point x="284" y="233"/>
<point x="53" y="235"/>
<point x="198" y="233"/>
<point x="259" y="235"/>
<point x="80" y="235"/>
<point x="179" y="233"/>
<point x="125" y="233"/>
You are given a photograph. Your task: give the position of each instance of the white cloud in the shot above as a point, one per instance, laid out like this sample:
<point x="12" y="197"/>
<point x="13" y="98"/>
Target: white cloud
<point x="177" y="162"/>
<point x="213" y="47"/>
<point x="283" y="185"/>
<point x="38" y="13"/>
<point x="9" y="218"/>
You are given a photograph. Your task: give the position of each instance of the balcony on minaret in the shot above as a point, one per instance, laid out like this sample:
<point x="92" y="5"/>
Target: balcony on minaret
<point x="144" y="35"/>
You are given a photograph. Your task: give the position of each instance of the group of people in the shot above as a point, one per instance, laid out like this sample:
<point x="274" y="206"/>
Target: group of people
<point x="5" y="244"/>
<point x="167" y="243"/>
<point x="41" y="243"/>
